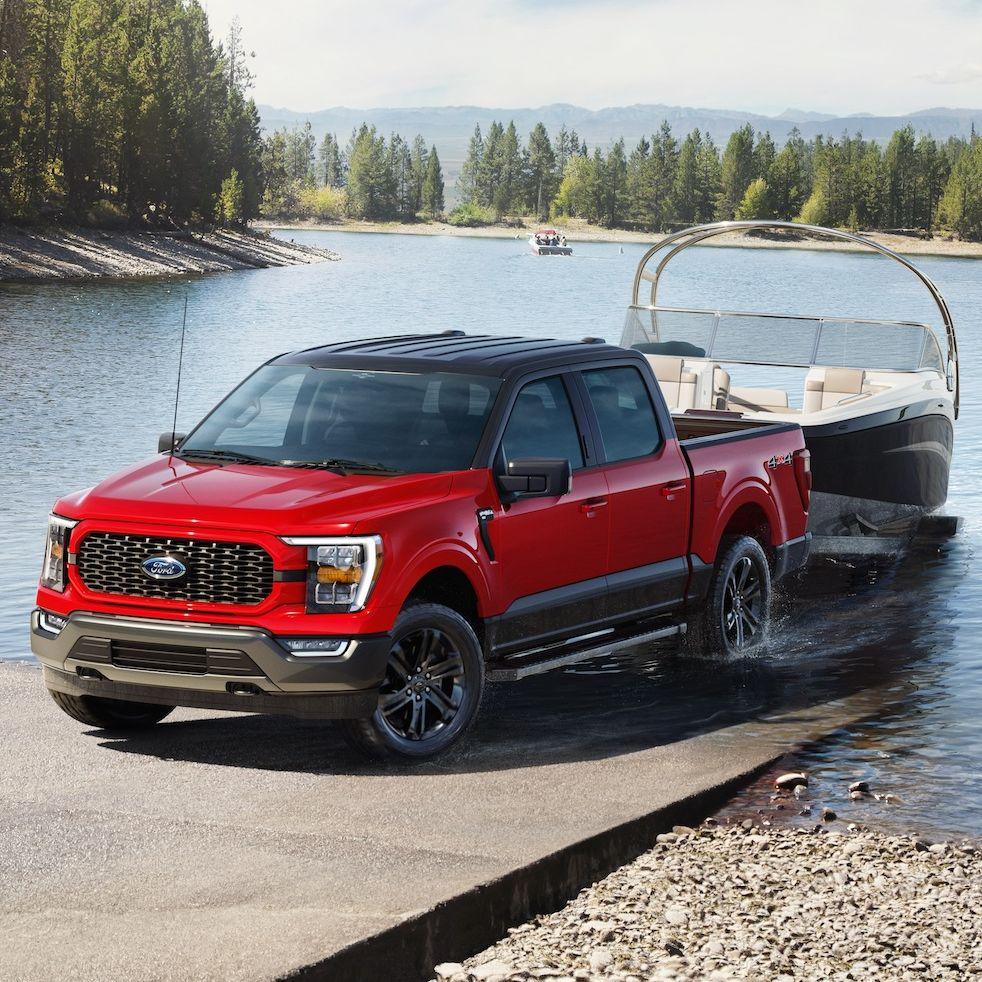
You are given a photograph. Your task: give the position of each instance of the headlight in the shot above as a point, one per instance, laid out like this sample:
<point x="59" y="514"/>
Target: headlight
<point x="341" y="571"/>
<point x="56" y="553"/>
<point x="316" y="647"/>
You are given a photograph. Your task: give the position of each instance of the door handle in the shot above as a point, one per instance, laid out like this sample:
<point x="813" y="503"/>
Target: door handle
<point x="592" y="505"/>
<point x="676" y="487"/>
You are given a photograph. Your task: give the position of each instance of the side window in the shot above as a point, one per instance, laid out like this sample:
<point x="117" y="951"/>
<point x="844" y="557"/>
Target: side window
<point x="624" y="411"/>
<point x="542" y="424"/>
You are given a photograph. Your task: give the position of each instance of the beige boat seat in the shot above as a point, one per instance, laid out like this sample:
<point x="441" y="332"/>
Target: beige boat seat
<point x="829" y="387"/>
<point x="720" y="391"/>
<point x="677" y="383"/>
<point x="742" y="399"/>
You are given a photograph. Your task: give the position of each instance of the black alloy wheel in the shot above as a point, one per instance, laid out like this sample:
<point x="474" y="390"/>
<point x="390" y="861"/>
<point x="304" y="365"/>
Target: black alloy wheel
<point x="734" y="617"/>
<point x="743" y="599"/>
<point x="432" y="690"/>
<point x="424" y="684"/>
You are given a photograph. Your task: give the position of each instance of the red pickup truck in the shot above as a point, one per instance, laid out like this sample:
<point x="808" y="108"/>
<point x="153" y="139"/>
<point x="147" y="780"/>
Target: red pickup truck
<point x="370" y="531"/>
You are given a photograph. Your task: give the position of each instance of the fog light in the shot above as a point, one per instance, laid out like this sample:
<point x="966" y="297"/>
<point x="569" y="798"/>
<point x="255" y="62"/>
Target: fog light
<point x="51" y="623"/>
<point x="311" y="647"/>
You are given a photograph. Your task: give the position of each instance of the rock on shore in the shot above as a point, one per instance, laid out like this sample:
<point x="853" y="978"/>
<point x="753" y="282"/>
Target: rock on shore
<point x="64" y="253"/>
<point x="776" y="904"/>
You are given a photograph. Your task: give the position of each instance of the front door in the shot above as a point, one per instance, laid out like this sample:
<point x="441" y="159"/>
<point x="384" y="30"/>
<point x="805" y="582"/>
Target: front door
<point x="551" y="553"/>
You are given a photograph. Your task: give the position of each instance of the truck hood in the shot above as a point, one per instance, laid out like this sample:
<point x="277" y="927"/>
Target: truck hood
<point x="247" y="496"/>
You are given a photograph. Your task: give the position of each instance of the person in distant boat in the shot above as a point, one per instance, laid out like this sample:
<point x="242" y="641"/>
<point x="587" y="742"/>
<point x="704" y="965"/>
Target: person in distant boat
<point x="562" y="241"/>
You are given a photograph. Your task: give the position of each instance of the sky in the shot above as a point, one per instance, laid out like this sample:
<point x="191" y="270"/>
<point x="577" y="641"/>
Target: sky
<point x="836" y="56"/>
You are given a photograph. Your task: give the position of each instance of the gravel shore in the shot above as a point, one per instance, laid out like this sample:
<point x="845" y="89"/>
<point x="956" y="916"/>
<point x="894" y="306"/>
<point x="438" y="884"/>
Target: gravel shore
<point x="760" y="904"/>
<point x="66" y="253"/>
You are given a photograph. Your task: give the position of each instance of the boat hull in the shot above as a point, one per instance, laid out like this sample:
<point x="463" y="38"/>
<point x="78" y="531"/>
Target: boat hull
<point x="884" y="467"/>
<point x="552" y="250"/>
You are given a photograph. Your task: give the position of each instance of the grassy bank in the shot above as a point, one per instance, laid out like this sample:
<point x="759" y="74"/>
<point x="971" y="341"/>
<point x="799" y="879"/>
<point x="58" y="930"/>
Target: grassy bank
<point x="581" y="231"/>
<point x="59" y="253"/>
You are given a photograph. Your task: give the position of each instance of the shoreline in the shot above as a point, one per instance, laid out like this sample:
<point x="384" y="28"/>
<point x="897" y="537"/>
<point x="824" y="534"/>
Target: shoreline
<point x="578" y="231"/>
<point x="68" y="253"/>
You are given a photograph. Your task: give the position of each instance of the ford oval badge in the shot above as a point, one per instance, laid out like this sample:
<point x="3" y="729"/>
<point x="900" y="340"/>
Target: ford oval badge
<point x="163" y="568"/>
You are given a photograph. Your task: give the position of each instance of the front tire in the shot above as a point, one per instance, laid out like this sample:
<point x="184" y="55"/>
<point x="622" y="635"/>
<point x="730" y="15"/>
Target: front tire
<point x="432" y="691"/>
<point x="736" y="614"/>
<point x="110" y="714"/>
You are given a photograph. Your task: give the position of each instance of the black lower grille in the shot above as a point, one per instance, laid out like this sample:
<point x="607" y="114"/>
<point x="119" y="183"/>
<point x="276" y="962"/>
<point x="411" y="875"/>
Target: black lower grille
<point x="217" y="572"/>
<point x="151" y="657"/>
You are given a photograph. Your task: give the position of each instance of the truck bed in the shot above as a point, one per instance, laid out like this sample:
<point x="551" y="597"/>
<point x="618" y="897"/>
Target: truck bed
<point x="703" y="425"/>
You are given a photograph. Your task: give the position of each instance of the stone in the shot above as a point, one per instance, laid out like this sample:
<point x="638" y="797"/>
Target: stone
<point x="676" y="915"/>
<point x="493" y="969"/>
<point x="747" y="823"/>
<point x="856" y="796"/>
<point x="828" y="815"/>
<point x="793" y="779"/>
<point x="666" y="838"/>
<point x="893" y="799"/>
<point x="860" y="786"/>
<point x="852" y="848"/>
<point x="447" y="970"/>
<point x="600" y="959"/>
<point x="800" y="791"/>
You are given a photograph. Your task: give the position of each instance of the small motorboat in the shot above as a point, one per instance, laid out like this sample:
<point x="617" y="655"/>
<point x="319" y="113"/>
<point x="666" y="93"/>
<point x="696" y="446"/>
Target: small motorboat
<point x="878" y="399"/>
<point x="549" y="242"/>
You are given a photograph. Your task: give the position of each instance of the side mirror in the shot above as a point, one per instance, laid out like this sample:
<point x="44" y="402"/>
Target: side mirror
<point x="170" y="441"/>
<point x="536" y="477"/>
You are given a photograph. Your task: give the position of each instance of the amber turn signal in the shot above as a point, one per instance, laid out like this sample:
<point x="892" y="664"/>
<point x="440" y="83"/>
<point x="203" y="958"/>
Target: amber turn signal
<point x="331" y="574"/>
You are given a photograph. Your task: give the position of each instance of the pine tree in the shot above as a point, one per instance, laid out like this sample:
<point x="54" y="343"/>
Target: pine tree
<point x="737" y="172"/>
<point x="685" y="191"/>
<point x="788" y="184"/>
<point x="329" y="162"/>
<point x="468" y="182"/>
<point x="541" y="171"/>
<point x="418" y="168"/>
<point x="433" y="185"/>
<point x="710" y="180"/>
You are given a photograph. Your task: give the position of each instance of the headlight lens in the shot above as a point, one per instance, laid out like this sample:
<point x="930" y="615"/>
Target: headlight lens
<point x="53" y="571"/>
<point x="341" y="571"/>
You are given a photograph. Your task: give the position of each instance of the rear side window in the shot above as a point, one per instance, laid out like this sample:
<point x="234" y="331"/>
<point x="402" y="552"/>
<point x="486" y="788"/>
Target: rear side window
<point x="542" y="424"/>
<point x="624" y="411"/>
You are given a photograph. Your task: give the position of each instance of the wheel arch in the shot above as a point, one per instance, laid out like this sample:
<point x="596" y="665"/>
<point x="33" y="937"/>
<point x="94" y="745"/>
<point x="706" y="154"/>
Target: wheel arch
<point x="452" y="580"/>
<point x="750" y="511"/>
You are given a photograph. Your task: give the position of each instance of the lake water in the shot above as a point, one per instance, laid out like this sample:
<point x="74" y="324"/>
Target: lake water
<point x="87" y="381"/>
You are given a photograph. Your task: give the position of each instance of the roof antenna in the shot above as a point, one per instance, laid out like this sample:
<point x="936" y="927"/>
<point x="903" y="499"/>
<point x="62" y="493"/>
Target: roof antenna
<point x="180" y="365"/>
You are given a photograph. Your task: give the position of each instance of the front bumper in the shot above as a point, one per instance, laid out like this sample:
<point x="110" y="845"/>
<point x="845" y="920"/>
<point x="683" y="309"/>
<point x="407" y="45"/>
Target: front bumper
<point x="207" y="666"/>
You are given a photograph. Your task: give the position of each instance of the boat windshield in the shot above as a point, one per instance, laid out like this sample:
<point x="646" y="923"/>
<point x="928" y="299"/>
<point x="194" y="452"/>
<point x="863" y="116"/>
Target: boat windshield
<point x="779" y="339"/>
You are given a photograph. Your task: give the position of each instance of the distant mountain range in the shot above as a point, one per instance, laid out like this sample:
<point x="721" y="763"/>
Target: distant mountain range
<point x="450" y="127"/>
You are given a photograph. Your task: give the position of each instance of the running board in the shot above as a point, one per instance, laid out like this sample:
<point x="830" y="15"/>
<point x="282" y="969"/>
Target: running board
<point x="574" y="651"/>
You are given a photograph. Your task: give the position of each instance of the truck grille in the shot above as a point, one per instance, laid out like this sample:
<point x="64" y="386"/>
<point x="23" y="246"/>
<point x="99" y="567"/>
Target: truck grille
<point x="217" y="572"/>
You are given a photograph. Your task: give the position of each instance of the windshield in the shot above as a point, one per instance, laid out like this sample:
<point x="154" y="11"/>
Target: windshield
<point x="345" y="419"/>
<point x="774" y="339"/>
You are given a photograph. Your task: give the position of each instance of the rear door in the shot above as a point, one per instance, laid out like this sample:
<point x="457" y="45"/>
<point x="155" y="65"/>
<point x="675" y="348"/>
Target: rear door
<point x="649" y="491"/>
<point x="551" y="553"/>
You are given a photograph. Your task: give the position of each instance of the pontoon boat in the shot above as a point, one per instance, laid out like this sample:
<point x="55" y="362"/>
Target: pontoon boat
<point x="879" y="398"/>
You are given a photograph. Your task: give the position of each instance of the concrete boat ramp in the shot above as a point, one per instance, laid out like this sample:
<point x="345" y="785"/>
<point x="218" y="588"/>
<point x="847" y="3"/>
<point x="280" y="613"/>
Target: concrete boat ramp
<point x="220" y="846"/>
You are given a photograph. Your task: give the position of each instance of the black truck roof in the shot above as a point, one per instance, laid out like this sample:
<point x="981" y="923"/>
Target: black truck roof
<point x="453" y="351"/>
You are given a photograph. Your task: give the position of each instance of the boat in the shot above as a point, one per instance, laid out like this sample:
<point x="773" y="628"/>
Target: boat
<point x="549" y="242"/>
<point x="877" y="400"/>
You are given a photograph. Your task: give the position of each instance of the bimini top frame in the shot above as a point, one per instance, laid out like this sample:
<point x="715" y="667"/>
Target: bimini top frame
<point x="667" y="249"/>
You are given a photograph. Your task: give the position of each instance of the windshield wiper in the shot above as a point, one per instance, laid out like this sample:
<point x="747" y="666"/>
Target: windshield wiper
<point x="231" y="456"/>
<point x="343" y="464"/>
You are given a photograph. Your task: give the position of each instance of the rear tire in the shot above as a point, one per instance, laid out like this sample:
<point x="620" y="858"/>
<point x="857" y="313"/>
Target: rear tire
<point x="736" y="614"/>
<point x="110" y="714"/>
<point x="432" y="690"/>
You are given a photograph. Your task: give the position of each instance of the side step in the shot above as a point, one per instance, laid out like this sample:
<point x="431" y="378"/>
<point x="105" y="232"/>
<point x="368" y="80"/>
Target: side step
<point x="576" y="650"/>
